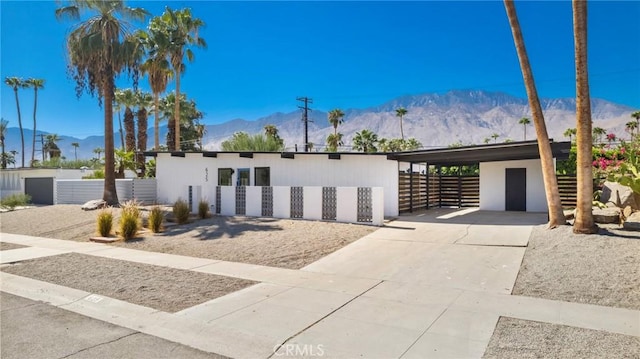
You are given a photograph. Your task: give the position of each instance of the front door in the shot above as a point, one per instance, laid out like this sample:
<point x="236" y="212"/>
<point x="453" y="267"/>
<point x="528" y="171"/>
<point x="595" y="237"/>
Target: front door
<point x="516" y="189"/>
<point x="243" y="177"/>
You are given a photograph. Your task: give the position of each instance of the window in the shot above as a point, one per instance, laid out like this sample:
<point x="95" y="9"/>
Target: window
<point x="263" y="176"/>
<point x="224" y="176"/>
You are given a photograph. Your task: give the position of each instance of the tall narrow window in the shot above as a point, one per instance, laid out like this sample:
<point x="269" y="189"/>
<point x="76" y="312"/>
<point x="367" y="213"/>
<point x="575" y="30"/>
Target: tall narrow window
<point x="224" y="176"/>
<point x="263" y="176"/>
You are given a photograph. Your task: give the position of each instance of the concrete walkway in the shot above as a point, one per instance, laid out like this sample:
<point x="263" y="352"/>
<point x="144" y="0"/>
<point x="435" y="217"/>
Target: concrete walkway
<point x="430" y="285"/>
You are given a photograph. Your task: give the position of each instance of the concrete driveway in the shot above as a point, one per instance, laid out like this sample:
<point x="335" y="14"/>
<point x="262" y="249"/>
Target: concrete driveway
<point x="429" y="285"/>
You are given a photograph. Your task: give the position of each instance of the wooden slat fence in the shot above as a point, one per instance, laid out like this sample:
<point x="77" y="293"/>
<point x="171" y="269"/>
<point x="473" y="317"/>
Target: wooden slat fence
<point x="567" y="186"/>
<point x="441" y="191"/>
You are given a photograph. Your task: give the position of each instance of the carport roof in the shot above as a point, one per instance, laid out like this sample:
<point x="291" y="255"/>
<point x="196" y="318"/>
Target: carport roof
<point x="524" y="150"/>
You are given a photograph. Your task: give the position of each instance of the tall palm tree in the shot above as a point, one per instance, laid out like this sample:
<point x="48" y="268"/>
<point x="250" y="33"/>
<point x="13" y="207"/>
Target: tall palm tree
<point x="144" y="100"/>
<point x="584" y="172"/>
<point x="556" y="214"/>
<point x="631" y="126"/>
<point x="75" y="149"/>
<point x="117" y="106"/>
<point x="524" y="122"/>
<point x="158" y="71"/>
<point x="101" y="48"/>
<point x="128" y="99"/>
<point x="597" y="132"/>
<point x="495" y="137"/>
<point x="17" y="83"/>
<point x="180" y="30"/>
<point x="336" y="117"/>
<point x="3" y="132"/>
<point x="98" y="151"/>
<point x="636" y="115"/>
<point x="36" y="84"/>
<point x="365" y="141"/>
<point x="400" y="112"/>
<point x="569" y="132"/>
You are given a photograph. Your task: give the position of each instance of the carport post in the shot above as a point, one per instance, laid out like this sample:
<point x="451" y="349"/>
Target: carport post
<point x="439" y="186"/>
<point x="426" y="166"/>
<point x="459" y="186"/>
<point x="411" y="187"/>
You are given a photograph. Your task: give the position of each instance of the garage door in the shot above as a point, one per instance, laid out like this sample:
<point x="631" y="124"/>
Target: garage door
<point x="40" y="189"/>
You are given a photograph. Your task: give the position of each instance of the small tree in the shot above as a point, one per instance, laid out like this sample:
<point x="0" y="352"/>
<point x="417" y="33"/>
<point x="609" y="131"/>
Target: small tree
<point x="524" y="122"/>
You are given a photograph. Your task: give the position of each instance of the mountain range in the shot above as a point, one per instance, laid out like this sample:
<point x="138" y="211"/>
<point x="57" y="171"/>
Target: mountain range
<point x="436" y="120"/>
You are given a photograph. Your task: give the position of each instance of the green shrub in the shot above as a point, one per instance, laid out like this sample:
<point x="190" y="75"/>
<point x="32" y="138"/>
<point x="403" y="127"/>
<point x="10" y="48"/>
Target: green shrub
<point x="105" y="222"/>
<point x="97" y="174"/>
<point x="181" y="211"/>
<point x="155" y="219"/>
<point x="15" y="200"/>
<point x="129" y="220"/>
<point x="203" y="209"/>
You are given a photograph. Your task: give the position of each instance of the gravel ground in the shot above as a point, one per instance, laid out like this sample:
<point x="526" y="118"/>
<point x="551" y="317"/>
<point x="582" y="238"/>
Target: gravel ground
<point x="265" y="241"/>
<point x="516" y="338"/>
<point x="4" y="246"/>
<point x="161" y="288"/>
<point x="602" y="269"/>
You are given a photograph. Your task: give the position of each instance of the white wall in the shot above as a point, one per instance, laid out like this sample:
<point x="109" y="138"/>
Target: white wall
<point x="175" y="173"/>
<point x="12" y="180"/>
<point x="492" y="185"/>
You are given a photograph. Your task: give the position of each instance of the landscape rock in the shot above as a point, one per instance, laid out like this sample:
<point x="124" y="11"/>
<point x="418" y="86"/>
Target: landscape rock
<point x="606" y="215"/>
<point x="633" y="222"/>
<point x="94" y="204"/>
<point x="619" y="195"/>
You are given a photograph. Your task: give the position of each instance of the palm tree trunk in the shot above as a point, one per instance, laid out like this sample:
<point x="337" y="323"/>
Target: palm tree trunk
<point x="556" y="214"/>
<point x="121" y="133"/>
<point x="401" y="130"/>
<point x="584" y="176"/>
<point x="156" y="123"/>
<point x="75" y="153"/>
<point x="109" y="195"/>
<point x="15" y="90"/>
<point x="35" y="108"/>
<point x="129" y="130"/>
<point x="176" y="115"/>
<point x="525" y="131"/>
<point x="142" y="140"/>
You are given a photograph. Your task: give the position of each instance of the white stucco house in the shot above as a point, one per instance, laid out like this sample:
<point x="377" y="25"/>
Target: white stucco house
<point x="350" y="187"/>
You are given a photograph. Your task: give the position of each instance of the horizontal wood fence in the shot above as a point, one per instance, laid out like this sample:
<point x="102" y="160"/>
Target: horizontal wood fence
<point x="440" y="191"/>
<point x="568" y="187"/>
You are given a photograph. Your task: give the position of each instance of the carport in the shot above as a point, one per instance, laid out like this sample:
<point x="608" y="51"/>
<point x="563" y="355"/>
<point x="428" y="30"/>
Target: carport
<point x="510" y="177"/>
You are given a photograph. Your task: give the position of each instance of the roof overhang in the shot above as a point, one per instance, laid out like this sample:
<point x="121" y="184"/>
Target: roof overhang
<point x="467" y="155"/>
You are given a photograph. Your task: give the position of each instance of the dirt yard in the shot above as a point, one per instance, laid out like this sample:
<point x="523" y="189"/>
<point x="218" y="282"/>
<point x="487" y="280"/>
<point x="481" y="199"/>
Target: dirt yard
<point x="161" y="288"/>
<point x="265" y="241"/>
<point x="601" y="269"/>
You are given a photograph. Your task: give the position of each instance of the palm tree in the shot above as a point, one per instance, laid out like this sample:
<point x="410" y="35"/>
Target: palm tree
<point x="201" y="130"/>
<point x="495" y="137"/>
<point x="128" y="99"/>
<point x="636" y="115"/>
<point x="584" y="174"/>
<point x="117" y="106"/>
<point x="556" y="214"/>
<point x="36" y="84"/>
<point x="597" y="132"/>
<point x="75" y="149"/>
<point x="17" y="83"/>
<point x="158" y="71"/>
<point x="179" y="32"/>
<point x="365" y="141"/>
<point x="631" y="126"/>
<point x="486" y="140"/>
<point x="51" y="145"/>
<point x="144" y="100"/>
<point x="334" y="140"/>
<point x="400" y="112"/>
<point x="569" y="132"/>
<point x="100" y="48"/>
<point x="524" y="122"/>
<point x="3" y="132"/>
<point x="98" y="151"/>
<point x="336" y="117"/>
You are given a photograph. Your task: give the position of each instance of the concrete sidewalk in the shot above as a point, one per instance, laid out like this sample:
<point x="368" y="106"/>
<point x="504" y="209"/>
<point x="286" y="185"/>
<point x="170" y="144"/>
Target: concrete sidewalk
<point x="430" y="285"/>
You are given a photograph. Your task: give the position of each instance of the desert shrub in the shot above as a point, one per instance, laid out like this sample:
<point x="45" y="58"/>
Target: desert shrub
<point x="203" y="209"/>
<point x="97" y="174"/>
<point x="156" y="215"/>
<point x="15" y="200"/>
<point x="181" y="211"/>
<point x="129" y="220"/>
<point x="105" y="222"/>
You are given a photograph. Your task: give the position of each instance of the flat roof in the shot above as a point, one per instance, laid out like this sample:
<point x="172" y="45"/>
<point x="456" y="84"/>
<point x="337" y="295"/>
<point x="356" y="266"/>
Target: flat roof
<point x="523" y="150"/>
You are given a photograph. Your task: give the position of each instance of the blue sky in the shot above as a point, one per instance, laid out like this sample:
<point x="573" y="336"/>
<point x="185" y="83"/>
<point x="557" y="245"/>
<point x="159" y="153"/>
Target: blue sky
<point x="262" y="55"/>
